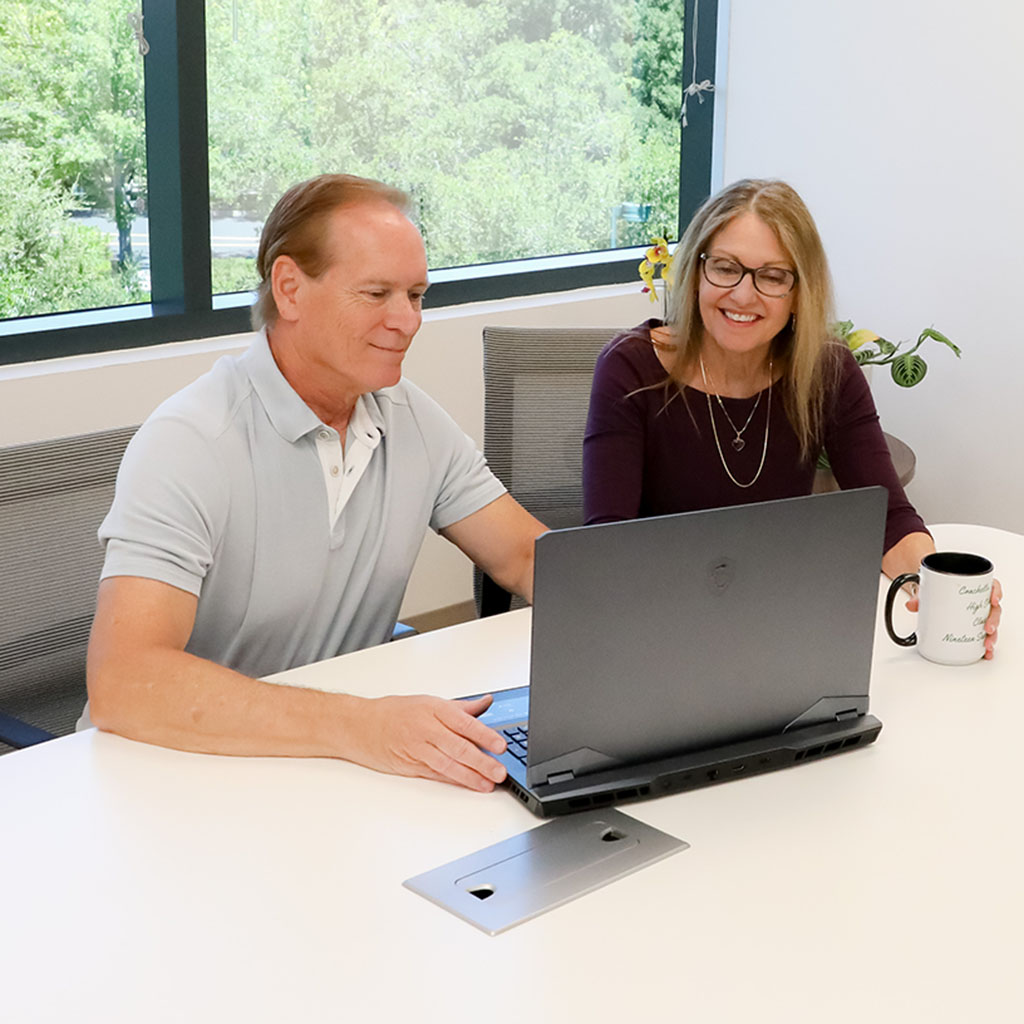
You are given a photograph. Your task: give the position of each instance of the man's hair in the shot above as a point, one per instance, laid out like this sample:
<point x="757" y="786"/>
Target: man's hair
<point x="297" y="227"/>
<point x="802" y="346"/>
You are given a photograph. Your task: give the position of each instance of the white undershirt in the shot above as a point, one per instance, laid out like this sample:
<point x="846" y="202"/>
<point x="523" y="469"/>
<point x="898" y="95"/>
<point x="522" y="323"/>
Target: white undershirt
<point x="343" y="468"/>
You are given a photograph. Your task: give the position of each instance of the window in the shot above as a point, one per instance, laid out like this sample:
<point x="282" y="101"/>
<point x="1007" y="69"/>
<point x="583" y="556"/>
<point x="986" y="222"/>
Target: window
<point x="72" y="158"/>
<point x="521" y="128"/>
<point x="539" y="139"/>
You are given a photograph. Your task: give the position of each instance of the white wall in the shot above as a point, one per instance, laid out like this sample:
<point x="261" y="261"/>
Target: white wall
<point x="83" y="393"/>
<point x="899" y="121"/>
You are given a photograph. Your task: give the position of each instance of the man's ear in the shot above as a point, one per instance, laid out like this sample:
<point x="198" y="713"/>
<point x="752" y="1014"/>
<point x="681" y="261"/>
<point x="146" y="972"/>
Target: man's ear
<point x="286" y="281"/>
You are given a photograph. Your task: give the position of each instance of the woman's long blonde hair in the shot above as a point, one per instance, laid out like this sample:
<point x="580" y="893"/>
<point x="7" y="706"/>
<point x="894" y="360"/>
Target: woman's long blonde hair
<point x="802" y="348"/>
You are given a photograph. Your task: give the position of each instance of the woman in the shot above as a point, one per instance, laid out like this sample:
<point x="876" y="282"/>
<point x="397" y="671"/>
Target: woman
<point x="733" y="398"/>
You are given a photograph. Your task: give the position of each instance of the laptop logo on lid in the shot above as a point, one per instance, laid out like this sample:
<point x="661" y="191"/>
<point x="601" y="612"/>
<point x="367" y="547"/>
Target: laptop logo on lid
<point x="720" y="574"/>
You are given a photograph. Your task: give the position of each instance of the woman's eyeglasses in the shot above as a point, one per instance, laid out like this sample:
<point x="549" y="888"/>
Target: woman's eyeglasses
<point x="724" y="272"/>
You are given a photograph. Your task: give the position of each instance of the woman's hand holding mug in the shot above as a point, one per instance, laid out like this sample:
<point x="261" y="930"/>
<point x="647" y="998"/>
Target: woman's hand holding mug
<point x="958" y="608"/>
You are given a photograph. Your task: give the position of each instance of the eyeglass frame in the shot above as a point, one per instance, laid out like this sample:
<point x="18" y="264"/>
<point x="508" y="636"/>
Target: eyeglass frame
<point x="752" y="271"/>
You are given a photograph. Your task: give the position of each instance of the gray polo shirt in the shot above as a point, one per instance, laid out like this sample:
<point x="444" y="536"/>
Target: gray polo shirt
<point x="221" y="493"/>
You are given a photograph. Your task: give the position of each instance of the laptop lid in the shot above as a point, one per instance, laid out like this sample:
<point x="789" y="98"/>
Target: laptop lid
<point x="658" y="637"/>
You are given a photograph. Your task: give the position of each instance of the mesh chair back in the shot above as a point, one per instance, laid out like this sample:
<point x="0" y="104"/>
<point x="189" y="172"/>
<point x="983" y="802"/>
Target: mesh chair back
<point x="536" y="395"/>
<point x="53" y="496"/>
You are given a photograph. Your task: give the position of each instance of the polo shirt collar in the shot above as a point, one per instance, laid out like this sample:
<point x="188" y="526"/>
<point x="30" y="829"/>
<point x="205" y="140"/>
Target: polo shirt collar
<point x="367" y="423"/>
<point x="287" y="412"/>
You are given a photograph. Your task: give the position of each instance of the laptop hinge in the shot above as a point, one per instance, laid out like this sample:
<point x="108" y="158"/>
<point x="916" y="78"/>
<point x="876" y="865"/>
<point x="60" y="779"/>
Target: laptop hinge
<point x="848" y="715"/>
<point x="555" y="777"/>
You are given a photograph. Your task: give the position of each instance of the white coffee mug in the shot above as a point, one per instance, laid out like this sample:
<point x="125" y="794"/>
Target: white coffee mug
<point x="954" y="596"/>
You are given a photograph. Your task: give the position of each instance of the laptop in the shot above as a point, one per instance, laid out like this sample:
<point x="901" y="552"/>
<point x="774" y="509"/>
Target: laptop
<point x="684" y="650"/>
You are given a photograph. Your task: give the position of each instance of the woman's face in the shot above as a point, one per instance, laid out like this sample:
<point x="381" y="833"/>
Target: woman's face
<point x="740" y="319"/>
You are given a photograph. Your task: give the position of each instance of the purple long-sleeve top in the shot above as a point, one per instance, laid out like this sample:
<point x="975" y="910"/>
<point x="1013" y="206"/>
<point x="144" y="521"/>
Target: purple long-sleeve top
<point x="643" y="457"/>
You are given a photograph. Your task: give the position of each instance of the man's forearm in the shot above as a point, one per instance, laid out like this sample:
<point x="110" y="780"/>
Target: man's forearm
<point x="499" y="538"/>
<point x="175" y="699"/>
<point x="144" y="685"/>
<point x="517" y="578"/>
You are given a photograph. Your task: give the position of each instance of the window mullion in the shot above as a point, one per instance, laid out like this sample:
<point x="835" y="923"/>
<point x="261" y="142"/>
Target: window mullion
<point x="695" y="148"/>
<point x="177" y="155"/>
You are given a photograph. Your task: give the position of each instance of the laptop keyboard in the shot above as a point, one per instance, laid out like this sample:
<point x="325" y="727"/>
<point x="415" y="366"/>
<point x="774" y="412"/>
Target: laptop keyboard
<point x="516" y="736"/>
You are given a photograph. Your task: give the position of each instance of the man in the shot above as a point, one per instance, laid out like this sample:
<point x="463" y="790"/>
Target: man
<point x="269" y="514"/>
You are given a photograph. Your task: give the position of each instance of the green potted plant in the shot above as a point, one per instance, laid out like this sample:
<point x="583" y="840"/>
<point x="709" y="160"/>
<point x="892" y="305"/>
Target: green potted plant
<point x="869" y="349"/>
<point x="907" y="367"/>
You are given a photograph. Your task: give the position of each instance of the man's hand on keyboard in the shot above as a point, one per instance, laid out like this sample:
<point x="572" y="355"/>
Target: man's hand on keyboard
<point x="427" y="737"/>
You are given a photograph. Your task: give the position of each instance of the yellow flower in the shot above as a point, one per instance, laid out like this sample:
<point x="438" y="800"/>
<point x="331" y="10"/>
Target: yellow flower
<point x="646" y="269"/>
<point x="657" y="256"/>
<point x="658" y="252"/>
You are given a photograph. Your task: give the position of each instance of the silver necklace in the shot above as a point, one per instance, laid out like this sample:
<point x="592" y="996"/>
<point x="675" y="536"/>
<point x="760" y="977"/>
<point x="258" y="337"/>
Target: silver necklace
<point x="737" y="442"/>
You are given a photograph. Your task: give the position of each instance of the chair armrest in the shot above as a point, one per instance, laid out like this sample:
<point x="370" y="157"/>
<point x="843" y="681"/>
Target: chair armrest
<point x="16" y="733"/>
<point x="402" y="630"/>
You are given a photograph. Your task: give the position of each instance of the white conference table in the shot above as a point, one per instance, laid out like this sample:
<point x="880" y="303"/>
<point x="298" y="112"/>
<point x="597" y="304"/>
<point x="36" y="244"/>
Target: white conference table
<point x="139" y="884"/>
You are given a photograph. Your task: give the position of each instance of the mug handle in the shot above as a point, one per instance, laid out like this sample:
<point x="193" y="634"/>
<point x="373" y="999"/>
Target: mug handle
<point x="890" y="599"/>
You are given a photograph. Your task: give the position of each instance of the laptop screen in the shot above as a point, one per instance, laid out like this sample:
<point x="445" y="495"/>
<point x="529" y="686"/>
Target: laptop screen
<point x="659" y="636"/>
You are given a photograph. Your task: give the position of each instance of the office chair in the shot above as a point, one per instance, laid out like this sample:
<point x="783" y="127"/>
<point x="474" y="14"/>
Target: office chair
<point x="536" y="396"/>
<point x="53" y="496"/>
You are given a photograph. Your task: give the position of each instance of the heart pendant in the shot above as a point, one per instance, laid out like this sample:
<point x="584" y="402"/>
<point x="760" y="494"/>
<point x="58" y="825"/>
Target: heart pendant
<point x="738" y="443"/>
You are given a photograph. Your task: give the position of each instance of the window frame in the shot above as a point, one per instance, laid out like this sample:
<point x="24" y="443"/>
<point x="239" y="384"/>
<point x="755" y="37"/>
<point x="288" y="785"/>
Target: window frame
<point x="183" y="306"/>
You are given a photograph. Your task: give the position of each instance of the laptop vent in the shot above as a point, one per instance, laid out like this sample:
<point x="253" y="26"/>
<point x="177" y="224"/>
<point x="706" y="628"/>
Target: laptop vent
<point x="579" y="803"/>
<point x="827" y="748"/>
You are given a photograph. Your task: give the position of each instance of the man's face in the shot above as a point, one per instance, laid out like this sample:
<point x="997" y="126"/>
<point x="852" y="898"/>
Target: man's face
<point x="358" y="318"/>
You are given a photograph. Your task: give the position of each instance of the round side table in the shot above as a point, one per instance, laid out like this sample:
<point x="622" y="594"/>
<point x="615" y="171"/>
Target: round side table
<point x="903" y="459"/>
